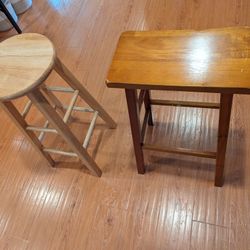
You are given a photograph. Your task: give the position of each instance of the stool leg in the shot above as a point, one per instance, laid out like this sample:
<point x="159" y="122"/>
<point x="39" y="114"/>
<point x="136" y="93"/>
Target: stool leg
<point x="61" y="69"/>
<point x="224" y="123"/>
<point x="16" y="117"/>
<point x="47" y="110"/>
<point x="147" y="104"/>
<point x="133" y="111"/>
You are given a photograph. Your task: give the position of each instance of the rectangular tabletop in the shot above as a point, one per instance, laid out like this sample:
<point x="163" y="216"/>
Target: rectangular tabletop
<point x="214" y="60"/>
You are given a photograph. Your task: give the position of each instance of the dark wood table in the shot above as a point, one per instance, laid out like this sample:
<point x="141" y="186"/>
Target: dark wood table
<point x="212" y="61"/>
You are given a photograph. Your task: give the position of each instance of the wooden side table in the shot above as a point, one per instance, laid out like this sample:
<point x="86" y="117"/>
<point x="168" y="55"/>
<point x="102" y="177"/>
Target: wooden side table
<point x="212" y="61"/>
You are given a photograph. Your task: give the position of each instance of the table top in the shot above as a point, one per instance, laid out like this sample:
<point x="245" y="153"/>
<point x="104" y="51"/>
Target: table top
<point x="25" y="62"/>
<point x="215" y="60"/>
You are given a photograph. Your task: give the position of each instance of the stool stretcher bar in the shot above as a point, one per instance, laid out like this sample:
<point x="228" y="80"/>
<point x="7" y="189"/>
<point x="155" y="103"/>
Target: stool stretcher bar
<point x="45" y="129"/>
<point x="55" y="103"/>
<point x="60" y="152"/>
<point x="80" y="109"/>
<point x="90" y="130"/>
<point x="85" y="143"/>
<point x="26" y="109"/>
<point x="70" y="107"/>
<point x="42" y="134"/>
<point x="59" y="89"/>
<point x="42" y="129"/>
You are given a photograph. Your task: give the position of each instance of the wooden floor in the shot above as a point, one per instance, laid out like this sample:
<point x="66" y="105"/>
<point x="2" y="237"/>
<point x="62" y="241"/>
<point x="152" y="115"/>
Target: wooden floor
<point x="175" y="204"/>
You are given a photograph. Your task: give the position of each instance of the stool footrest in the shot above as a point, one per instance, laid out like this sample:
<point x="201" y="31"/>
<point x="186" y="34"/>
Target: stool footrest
<point x="183" y="151"/>
<point x="42" y="134"/>
<point x="26" y="109"/>
<point x="80" y="109"/>
<point x="71" y="106"/>
<point x="42" y="129"/>
<point x="69" y="109"/>
<point x="185" y="104"/>
<point x="60" y="152"/>
<point x="59" y="89"/>
<point x="90" y="130"/>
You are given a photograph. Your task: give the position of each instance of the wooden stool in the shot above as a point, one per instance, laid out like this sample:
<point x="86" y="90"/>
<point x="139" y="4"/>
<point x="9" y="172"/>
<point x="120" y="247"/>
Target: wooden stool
<point x="25" y="63"/>
<point x="212" y="61"/>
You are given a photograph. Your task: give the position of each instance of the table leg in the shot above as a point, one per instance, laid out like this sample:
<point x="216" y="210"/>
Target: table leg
<point x="133" y="110"/>
<point x="147" y="103"/>
<point x="224" y="122"/>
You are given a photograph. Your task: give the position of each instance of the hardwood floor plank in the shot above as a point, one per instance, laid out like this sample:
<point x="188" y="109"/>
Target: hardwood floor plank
<point x="208" y="236"/>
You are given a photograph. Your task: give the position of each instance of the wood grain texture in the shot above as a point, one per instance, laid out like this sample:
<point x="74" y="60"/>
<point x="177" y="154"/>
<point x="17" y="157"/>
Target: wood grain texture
<point x="174" y="206"/>
<point x="205" y="236"/>
<point x="25" y="62"/>
<point x="210" y="60"/>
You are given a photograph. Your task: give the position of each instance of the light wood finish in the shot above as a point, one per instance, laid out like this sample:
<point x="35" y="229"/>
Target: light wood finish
<point x="53" y="99"/>
<point x="20" y="54"/>
<point x="60" y="152"/>
<point x="70" y="107"/>
<point x="15" y="116"/>
<point x="24" y="69"/>
<point x="42" y="129"/>
<point x="211" y="60"/>
<point x="42" y="133"/>
<point x="90" y="130"/>
<point x="26" y="109"/>
<point x="60" y="89"/>
<point x="174" y="206"/>
<point x="42" y="104"/>
<point x="75" y="84"/>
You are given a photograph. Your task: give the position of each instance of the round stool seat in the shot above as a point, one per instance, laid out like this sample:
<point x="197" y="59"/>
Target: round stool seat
<point x="25" y="62"/>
